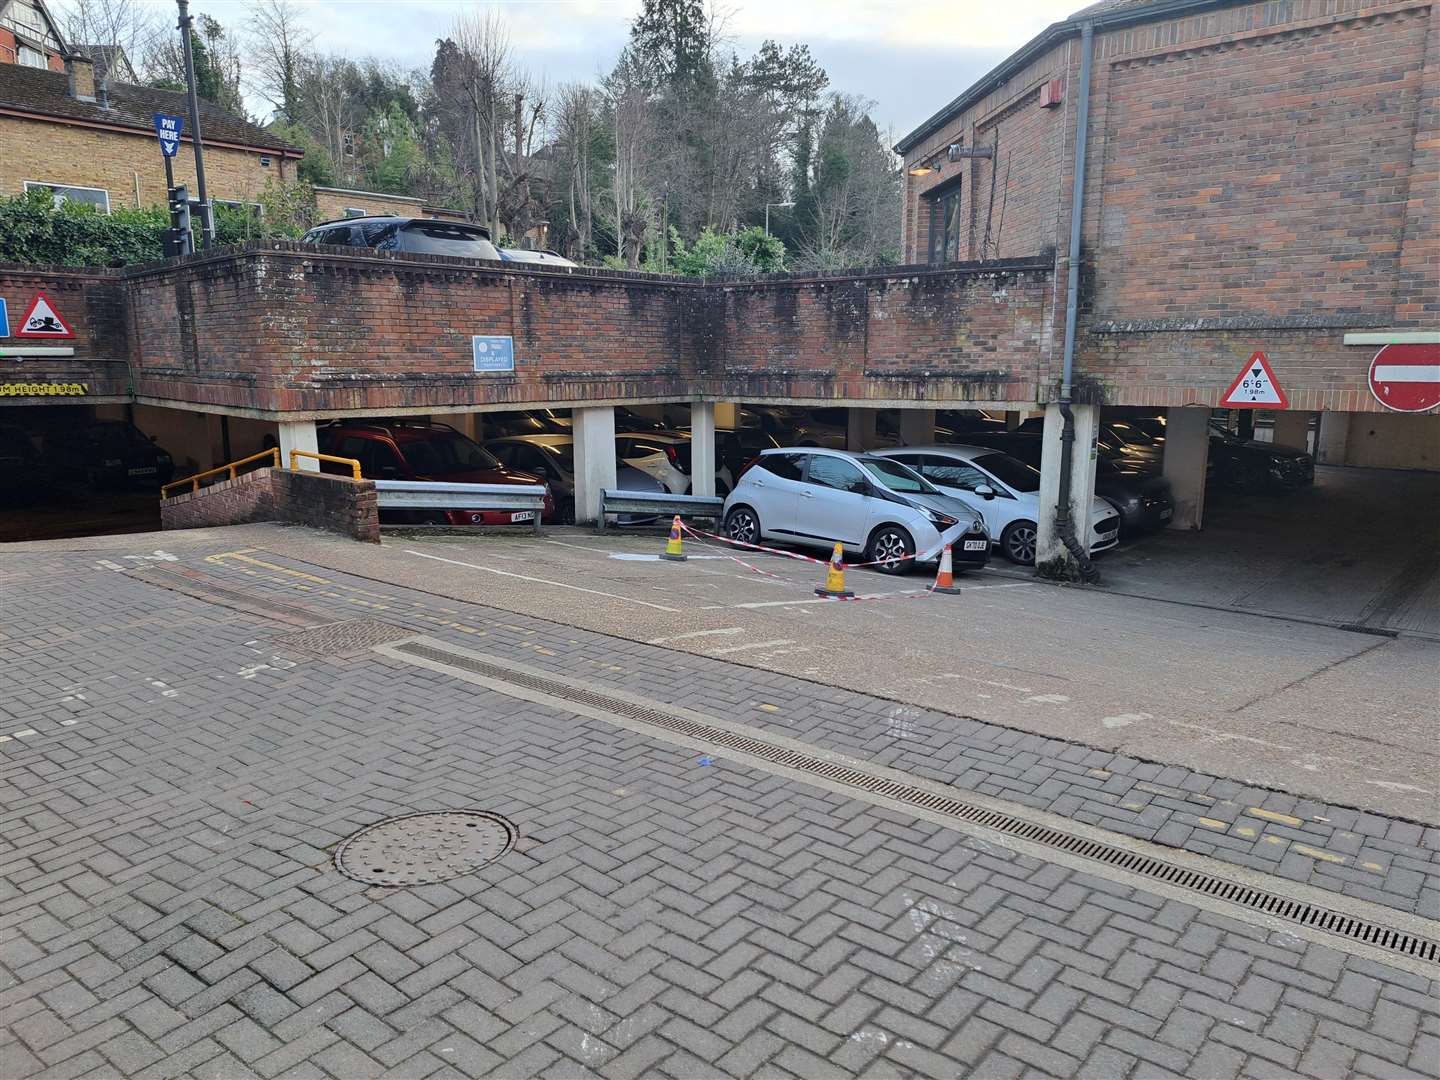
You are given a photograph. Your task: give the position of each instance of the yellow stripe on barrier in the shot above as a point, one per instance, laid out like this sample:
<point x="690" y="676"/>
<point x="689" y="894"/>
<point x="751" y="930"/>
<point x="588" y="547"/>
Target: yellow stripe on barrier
<point x="194" y="481"/>
<point x="296" y="455"/>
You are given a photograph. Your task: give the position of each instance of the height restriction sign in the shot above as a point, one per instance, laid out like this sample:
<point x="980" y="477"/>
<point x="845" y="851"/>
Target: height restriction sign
<point x="1255" y="387"/>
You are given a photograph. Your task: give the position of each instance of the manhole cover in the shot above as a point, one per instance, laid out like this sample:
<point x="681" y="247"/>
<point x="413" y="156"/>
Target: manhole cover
<point x="421" y="849"/>
<point x="338" y="639"/>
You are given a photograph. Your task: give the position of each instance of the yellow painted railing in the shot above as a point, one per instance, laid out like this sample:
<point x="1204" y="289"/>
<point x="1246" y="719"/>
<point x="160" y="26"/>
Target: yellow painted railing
<point x="230" y="470"/>
<point x="296" y="455"/>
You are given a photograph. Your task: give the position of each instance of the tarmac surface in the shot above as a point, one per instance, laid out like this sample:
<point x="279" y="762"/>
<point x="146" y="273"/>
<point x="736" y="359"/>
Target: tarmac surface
<point x="206" y="717"/>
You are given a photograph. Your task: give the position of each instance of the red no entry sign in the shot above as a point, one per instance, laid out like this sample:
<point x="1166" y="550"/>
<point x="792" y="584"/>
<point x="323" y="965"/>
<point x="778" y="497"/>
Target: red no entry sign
<point x="1406" y="378"/>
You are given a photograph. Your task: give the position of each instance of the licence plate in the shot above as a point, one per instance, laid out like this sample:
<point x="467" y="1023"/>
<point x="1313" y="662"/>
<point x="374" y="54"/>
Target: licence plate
<point x="976" y="545"/>
<point x="523" y="515"/>
<point x="1167" y="514"/>
<point x="142" y="472"/>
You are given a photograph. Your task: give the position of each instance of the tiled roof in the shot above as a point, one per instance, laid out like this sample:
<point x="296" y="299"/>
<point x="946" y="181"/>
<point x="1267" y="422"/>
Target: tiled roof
<point x="46" y="93"/>
<point x="1107" y="7"/>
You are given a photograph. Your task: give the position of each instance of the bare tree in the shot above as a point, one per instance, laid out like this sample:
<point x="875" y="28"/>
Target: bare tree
<point x="133" y="25"/>
<point x="279" y="42"/>
<point x="631" y="119"/>
<point x="484" y="44"/>
<point x="576" y="127"/>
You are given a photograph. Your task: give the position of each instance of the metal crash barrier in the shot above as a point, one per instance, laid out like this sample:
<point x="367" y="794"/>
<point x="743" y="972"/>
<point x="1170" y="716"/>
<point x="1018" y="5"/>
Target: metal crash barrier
<point x="424" y="494"/>
<point x="614" y="501"/>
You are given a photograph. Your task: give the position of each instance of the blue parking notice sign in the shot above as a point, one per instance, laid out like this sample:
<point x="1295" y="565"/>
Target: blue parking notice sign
<point x="167" y="130"/>
<point x="493" y="352"/>
<point x="4" y="319"/>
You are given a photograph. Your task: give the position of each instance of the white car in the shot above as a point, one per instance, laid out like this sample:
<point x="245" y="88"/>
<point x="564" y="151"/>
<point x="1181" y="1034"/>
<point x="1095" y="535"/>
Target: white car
<point x="665" y="455"/>
<point x="871" y="505"/>
<point x="1005" y="490"/>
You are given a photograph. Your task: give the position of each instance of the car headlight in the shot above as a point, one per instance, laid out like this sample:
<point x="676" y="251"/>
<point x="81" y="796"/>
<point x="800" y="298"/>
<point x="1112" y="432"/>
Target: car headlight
<point x="1278" y="461"/>
<point x="944" y="521"/>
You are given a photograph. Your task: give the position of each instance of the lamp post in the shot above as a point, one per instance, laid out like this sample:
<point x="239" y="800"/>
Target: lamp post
<point x="767" y="213"/>
<point x="207" y="220"/>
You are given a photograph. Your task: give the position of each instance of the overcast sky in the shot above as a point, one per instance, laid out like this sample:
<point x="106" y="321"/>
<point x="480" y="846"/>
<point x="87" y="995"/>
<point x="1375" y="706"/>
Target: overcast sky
<point x="910" y="58"/>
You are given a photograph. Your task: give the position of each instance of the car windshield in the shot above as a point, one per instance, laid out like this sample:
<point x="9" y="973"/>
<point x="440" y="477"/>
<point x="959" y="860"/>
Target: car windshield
<point x="443" y="454"/>
<point x="564" y="456"/>
<point x="898" y="477"/>
<point x="1011" y="472"/>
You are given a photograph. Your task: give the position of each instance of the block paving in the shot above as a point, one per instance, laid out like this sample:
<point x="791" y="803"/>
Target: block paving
<point x="173" y="787"/>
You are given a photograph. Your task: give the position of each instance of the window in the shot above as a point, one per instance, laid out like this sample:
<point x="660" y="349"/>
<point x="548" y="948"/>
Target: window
<point x="898" y="477"/>
<point x="785" y="466"/>
<point x="374" y="457"/>
<point x="836" y="473"/>
<point x="63" y="193"/>
<point x="347" y="144"/>
<point x="443" y="454"/>
<point x="30" y="57"/>
<point x="954" y="474"/>
<point x="354" y="211"/>
<point x="945" y="225"/>
<point x="1011" y="471"/>
<point x="340" y="236"/>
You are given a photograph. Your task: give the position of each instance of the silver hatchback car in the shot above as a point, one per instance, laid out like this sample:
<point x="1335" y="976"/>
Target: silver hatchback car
<point x="871" y="505"/>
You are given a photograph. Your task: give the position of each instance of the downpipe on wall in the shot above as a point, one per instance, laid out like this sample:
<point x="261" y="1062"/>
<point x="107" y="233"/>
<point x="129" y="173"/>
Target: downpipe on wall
<point x="1064" y="519"/>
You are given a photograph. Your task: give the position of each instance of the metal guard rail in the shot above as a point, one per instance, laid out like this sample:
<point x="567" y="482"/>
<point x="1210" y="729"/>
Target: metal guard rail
<point x="194" y="481"/>
<point x="296" y="455"/>
<point x="615" y="501"/>
<point x="434" y="495"/>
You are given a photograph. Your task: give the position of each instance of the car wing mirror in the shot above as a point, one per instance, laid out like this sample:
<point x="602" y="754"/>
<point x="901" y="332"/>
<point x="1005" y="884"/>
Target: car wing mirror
<point x="985" y="491"/>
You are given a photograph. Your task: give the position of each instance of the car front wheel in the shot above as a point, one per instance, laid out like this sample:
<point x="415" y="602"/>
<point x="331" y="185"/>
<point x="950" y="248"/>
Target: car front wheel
<point x="742" y="526"/>
<point x="1018" y="542"/>
<point x="888" y="549"/>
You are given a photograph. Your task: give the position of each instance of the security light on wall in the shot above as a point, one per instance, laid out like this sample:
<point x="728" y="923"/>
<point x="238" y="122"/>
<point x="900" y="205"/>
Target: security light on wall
<point x="920" y="170"/>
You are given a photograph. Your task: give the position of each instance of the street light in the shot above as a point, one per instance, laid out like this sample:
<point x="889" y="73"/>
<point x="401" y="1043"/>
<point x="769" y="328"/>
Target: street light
<point x="767" y="213"/>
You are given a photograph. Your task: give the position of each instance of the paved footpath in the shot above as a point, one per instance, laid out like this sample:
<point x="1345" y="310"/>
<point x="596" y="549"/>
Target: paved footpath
<point x="179" y="763"/>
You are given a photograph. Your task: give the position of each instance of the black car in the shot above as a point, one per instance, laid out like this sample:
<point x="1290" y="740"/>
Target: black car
<point x="109" y="454"/>
<point x="420" y="236"/>
<point x="1143" y="499"/>
<point x="1248" y="465"/>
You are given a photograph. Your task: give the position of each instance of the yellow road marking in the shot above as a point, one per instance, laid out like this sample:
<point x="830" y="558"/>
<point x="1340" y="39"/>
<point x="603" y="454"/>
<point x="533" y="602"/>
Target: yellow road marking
<point x="1316" y="853"/>
<point x="268" y="565"/>
<point x="1271" y="815"/>
<point x="1213" y="823"/>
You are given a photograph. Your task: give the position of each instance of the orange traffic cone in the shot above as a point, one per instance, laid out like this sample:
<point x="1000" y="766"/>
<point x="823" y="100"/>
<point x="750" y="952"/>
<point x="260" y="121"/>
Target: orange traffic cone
<point x="835" y="577"/>
<point x="673" y="551"/>
<point x="945" y="576"/>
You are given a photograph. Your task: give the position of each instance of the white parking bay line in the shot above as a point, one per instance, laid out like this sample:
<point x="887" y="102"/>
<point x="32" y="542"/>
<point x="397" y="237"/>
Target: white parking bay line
<point x="545" y="581"/>
<point x="696" y="633"/>
<point x="821" y="599"/>
<point x="752" y="645"/>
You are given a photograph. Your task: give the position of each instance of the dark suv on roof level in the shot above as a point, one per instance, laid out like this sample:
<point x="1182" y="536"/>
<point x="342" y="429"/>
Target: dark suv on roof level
<point x="418" y="236"/>
<point x="414" y="450"/>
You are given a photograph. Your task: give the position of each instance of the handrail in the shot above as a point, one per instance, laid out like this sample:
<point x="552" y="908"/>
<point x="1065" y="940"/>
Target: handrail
<point x="194" y="481"/>
<point x="295" y="455"/>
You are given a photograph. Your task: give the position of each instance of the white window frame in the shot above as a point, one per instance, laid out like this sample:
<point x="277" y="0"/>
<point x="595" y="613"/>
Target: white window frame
<point x="25" y="56"/>
<point x="56" y="189"/>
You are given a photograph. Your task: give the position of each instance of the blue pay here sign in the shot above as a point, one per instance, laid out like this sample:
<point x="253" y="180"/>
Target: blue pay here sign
<point x="167" y="130"/>
<point x="493" y="352"/>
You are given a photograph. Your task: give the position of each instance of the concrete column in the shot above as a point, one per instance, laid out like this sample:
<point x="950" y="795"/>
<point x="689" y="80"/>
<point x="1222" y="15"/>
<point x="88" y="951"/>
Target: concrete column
<point x="299" y="435"/>
<point x="468" y="424"/>
<point x="1082" y="483"/>
<point x="1187" y="449"/>
<point x="917" y="427"/>
<point x="727" y="415"/>
<point x="594" y="432"/>
<point x="702" y="448"/>
<point x="1013" y="417"/>
<point x="1332" y="442"/>
<point x="1292" y="429"/>
<point x="860" y="429"/>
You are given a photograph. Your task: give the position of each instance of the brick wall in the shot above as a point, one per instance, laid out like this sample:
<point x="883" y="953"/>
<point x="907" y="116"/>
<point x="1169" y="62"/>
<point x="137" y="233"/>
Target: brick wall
<point x="93" y="303"/>
<point x="333" y="203"/>
<point x="333" y="503"/>
<point x="122" y="162"/>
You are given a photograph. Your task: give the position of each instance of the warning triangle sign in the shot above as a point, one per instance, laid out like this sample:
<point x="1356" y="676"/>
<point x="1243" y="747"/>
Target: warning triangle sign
<point x="1255" y="387"/>
<point x="42" y="320"/>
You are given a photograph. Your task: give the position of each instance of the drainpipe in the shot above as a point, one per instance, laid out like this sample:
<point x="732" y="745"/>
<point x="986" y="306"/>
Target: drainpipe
<point x="1064" y="524"/>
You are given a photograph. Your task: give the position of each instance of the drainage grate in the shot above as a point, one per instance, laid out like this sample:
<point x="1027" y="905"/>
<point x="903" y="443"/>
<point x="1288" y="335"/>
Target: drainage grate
<point x="1347" y="926"/>
<point x="341" y="638"/>
<point x="422" y="849"/>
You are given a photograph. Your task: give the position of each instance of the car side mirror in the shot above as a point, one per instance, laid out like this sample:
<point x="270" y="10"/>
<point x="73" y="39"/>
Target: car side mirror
<point x="985" y="491"/>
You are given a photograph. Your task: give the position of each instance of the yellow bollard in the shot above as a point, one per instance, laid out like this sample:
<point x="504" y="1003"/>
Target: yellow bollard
<point x="835" y="577"/>
<point x="673" y="551"/>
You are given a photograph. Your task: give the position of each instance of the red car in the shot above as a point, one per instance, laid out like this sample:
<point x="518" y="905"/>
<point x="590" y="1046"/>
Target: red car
<point x="418" y="450"/>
